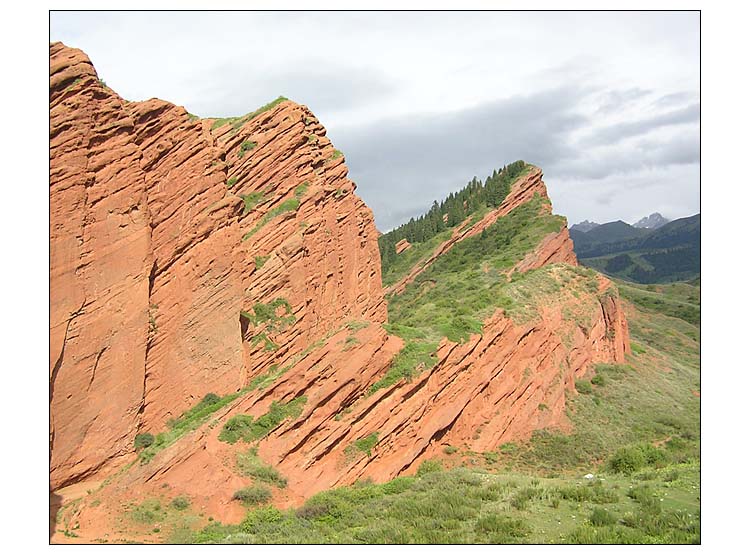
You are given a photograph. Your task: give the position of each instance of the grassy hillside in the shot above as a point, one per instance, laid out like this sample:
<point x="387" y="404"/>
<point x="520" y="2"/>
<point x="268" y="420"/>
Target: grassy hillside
<point x="637" y="430"/>
<point x="472" y="201"/>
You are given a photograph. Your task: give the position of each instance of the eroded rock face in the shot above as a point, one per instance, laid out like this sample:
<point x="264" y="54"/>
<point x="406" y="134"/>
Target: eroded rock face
<point x="402" y="245"/>
<point x="149" y="270"/>
<point x="191" y="256"/>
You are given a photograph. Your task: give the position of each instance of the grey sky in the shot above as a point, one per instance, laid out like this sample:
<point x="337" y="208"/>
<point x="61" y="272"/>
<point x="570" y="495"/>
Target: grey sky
<point x="606" y="103"/>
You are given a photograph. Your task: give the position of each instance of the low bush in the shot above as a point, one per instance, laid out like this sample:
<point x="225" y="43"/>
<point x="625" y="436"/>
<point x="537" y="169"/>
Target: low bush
<point x="632" y="458"/>
<point x="252" y="495"/>
<point x="143" y="440"/>
<point x="251" y="465"/>
<point x="180" y="503"/>
<point x="602" y="517"/>
<point x="428" y="466"/>
<point x="584" y="386"/>
<point x="501" y="528"/>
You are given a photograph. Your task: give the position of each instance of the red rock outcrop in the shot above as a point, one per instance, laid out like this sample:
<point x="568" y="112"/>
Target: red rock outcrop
<point x="402" y="245"/>
<point x="193" y="256"/>
<point x="149" y="270"/>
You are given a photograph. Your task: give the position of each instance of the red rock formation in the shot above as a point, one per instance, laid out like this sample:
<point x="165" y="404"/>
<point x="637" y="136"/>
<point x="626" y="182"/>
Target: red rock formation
<point x="402" y="245"/>
<point x="149" y="270"/>
<point x="555" y="247"/>
<point x="164" y="228"/>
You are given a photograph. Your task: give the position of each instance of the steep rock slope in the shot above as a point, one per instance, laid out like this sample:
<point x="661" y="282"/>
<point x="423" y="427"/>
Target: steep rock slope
<point x="149" y="270"/>
<point x="232" y="257"/>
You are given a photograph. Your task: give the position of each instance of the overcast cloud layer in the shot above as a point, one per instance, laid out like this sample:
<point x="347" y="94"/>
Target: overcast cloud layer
<point x="606" y="103"/>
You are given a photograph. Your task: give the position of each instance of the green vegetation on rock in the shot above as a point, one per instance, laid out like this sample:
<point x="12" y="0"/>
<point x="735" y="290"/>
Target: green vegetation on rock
<point x="239" y="121"/>
<point x="244" y="427"/>
<point x="189" y="421"/>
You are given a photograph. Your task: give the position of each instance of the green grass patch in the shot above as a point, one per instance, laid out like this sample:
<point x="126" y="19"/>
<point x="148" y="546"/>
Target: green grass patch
<point x="414" y="358"/>
<point x="364" y="445"/>
<point x="238" y="121"/>
<point x="246" y="146"/>
<point x="250" y="464"/>
<point x="188" y="421"/>
<point x="251" y="200"/>
<point x="466" y="284"/>
<point x="300" y="190"/>
<point x="244" y="427"/>
<point x="289" y="205"/>
<point x="252" y="495"/>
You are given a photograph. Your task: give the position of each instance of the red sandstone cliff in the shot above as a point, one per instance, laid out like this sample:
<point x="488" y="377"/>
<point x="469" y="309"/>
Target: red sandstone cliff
<point x="148" y="268"/>
<point x="163" y="229"/>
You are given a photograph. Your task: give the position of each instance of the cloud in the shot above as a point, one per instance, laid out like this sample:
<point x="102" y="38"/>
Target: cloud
<point x="620" y="131"/>
<point x="323" y="87"/>
<point x="614" y="100"/>
<point x="403" y="164"/>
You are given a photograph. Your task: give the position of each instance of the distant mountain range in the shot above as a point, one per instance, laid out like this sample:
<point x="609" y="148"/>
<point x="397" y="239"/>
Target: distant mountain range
<point x="584" y="226"/>
<point x="654" y="221"/>
<point x="654" y="250"/>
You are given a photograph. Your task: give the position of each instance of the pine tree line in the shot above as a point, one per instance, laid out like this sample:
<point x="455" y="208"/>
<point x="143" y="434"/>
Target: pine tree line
<point x="451" y="211"/>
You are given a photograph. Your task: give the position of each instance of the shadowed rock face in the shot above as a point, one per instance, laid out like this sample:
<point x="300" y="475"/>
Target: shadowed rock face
<point x="165" y="228"/>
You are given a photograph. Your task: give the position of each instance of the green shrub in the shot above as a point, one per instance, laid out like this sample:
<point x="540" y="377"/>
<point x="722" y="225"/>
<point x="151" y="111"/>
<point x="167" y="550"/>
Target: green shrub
<point x="251" y="200"/>
<point x="449" y="449"/>
<point x="251" y="465"/>
<point x="521" y="498"/>
<point x="584" y="386"/>
<point x="235" y="428"/>
<point x="336" y="154"/>
<point x="627" y="460"/>
<point x="143" y="440"/>
<point x="501" y="528"/>
<point x="180" y="503"/>
<point x="148" y="512"/>
<point x="364" y="444"/>
<point x="428" y="466"/>
<point x="631" y="458"/>
<point x="244" y="427"/>
<point x="252" y="495"/>
<point x="231" y="182"/>
<point x="490" y="457"/>
<point x="246" y="146"/>
<point x="598" y="380"/>
<point x="602" y="517"/>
